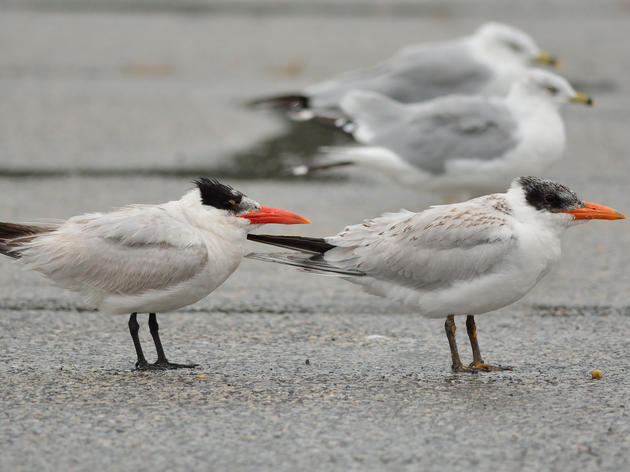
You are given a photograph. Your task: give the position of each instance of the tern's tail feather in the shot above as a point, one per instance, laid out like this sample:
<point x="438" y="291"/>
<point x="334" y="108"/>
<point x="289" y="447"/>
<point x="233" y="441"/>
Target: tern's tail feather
<point x="310" y="257"/>
<point x="13" y="236"/>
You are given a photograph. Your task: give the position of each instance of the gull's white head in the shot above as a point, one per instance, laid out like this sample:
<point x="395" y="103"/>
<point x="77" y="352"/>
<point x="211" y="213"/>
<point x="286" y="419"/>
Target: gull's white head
<point x="213" y="203"/>
<point x="550" y="87"/>
<point x="554" y="203"/>
<point x="506" y="43"/>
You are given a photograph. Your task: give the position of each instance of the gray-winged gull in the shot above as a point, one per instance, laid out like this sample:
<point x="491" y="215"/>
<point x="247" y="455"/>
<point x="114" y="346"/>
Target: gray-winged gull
<point x="486" y="62"/>
<point x="458" y="145"/>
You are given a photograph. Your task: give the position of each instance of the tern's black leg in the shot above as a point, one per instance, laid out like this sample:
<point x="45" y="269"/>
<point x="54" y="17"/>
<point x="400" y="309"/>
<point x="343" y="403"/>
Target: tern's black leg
<point x="450" y="329"/>
<point x="162" y="362"/>
<point x="478" y="363"/>
<point x="134" y="327"/>
<point x="155" y="332"/>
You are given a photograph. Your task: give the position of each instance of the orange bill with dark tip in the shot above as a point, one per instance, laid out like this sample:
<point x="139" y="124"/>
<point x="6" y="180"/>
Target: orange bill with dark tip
<point x="274" y="215"/>
<point x="595" y="211"/>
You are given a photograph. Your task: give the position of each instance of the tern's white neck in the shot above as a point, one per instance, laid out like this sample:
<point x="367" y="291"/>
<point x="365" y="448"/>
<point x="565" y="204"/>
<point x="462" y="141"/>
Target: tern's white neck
<point x="542" y="220"/>
<point x="211" y="219"/>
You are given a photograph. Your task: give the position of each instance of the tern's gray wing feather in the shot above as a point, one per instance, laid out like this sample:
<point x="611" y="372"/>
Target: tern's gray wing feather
<point x="413" y="75"/>
<point x="126" y="252"/>
<point x="435" y="248"/>
<point x="431" y="134"/>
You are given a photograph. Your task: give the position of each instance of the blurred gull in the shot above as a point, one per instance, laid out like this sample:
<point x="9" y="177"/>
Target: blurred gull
<point x="457" y="146"/>
<point x="487" y="62"/>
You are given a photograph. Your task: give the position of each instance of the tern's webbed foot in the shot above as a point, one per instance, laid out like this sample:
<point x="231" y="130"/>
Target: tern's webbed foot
<point x="475" y="367"/>
<point x="483" y="367"/>
<point x="172" y="365"/>
<point x="163" y="365"/>
<point x="461" y="368"/>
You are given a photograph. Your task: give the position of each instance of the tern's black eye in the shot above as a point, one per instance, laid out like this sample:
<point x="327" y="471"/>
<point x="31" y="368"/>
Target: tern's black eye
<point x="552" y="198"/>
<point x="552" y="90"/>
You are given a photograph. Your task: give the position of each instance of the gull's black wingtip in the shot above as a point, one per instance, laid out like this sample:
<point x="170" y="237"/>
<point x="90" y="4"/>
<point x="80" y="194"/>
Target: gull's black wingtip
<point x="291" y="102"/>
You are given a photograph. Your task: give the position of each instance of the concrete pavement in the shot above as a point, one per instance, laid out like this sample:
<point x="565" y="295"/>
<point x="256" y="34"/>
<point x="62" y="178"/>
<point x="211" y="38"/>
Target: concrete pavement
<point x="125" y="103"/>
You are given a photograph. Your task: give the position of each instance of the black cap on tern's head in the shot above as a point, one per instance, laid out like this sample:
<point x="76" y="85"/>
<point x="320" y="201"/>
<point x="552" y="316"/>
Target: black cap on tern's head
<point x="547" y="195"/>
<point x="223" y="197"/>
<point x="218" y="195"/>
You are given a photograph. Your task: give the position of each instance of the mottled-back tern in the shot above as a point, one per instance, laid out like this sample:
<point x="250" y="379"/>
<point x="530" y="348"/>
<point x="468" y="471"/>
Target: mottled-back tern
<point x="465" y="258"/>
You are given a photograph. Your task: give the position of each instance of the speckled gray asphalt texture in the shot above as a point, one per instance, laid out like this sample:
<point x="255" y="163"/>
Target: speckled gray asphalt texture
<point x="297" y="372"/>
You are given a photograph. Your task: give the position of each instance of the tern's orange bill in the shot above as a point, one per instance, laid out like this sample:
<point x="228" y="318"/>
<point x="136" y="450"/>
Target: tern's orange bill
<point x="274" y="215"/>
<point x="595" y="211"/>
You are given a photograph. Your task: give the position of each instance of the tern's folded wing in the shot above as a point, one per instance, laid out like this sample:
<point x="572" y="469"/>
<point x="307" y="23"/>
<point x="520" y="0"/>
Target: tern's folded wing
<point x="126" y="252"/>
<point x="437" y="247"/>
